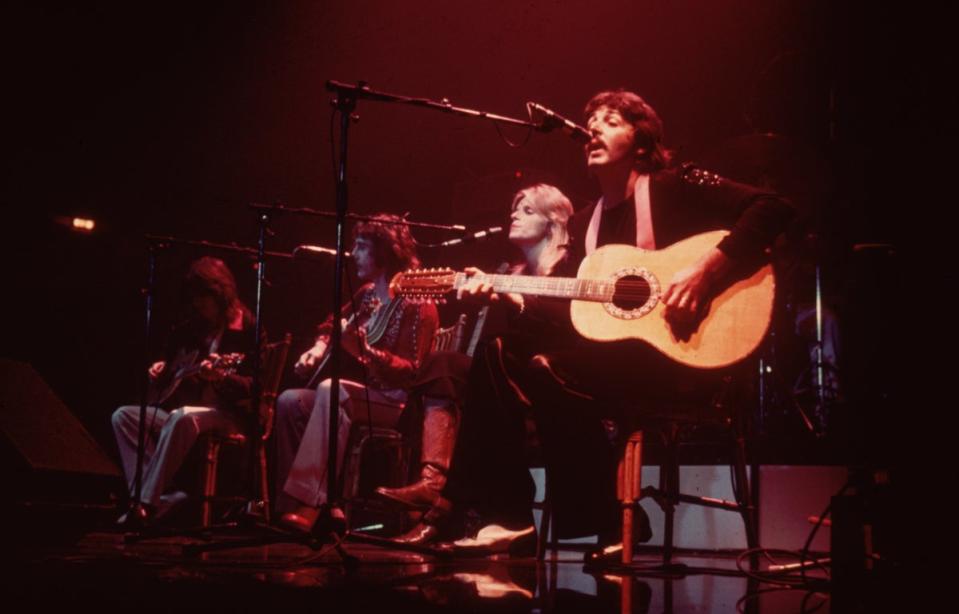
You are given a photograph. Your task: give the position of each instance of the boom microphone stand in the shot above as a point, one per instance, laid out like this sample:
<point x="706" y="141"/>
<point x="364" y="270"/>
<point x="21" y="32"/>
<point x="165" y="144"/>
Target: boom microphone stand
<point x="152" y="248"/>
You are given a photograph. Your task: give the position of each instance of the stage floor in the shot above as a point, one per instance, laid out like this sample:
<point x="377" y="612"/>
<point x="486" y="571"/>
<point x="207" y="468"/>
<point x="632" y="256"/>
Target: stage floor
<point x="102" y="572"/>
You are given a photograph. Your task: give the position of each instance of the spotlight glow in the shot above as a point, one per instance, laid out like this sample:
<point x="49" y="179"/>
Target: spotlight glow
<point x="83" y="224"/>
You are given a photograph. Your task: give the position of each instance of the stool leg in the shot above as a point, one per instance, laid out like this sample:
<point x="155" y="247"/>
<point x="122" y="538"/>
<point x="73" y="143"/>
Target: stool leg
<point x="209" y="482"/>
<point x="542" y="539"/>
<point x="264" y="484"/>
<point x="670" y="469"/>
<point x="628" y="489"/>
<point x="743" y="493"/>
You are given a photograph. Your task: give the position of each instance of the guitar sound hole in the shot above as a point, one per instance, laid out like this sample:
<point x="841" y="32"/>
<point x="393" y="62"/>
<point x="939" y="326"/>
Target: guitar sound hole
<point x="631" y="292"/>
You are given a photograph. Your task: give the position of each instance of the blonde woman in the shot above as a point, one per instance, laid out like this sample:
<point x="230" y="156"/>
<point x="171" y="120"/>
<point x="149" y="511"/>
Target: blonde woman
<point x="450" y="389"/>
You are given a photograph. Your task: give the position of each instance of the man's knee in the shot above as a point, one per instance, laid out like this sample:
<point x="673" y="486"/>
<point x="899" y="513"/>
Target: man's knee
<point x="294" y="403"/>
<point x="126" y="415"/>
<point x="182" y="424"/>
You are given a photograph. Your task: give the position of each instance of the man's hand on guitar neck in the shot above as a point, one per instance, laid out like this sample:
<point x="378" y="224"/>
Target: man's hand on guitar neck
<point x="480" y="290"/>
<point x="309" y="359"/>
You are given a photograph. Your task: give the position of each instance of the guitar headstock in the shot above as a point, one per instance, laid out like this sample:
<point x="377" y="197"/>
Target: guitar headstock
<point x="423" y="284"/>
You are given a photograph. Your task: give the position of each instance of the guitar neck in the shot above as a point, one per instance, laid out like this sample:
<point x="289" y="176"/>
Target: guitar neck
<point x="560" y="287"/>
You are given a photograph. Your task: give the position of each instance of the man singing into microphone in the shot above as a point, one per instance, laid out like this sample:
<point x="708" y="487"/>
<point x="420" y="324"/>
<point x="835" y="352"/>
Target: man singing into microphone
<point x="647" y="203"/>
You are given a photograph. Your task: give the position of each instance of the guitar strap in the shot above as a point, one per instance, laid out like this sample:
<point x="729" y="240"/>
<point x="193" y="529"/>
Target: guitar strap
<point x="379" y="322"/>
<point x="644" y="218"/>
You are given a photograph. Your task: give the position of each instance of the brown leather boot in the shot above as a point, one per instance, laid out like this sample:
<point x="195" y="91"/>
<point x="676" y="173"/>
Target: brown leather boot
<point x="428" y="530"/>
<point x="439" y="438"/>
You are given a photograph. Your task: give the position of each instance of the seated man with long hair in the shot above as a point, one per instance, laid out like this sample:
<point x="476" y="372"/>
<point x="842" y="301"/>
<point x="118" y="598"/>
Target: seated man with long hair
<point x="208" y="400"/>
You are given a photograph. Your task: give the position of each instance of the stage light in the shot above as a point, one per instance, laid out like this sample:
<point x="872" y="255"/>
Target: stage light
<point x="82" y="224"/>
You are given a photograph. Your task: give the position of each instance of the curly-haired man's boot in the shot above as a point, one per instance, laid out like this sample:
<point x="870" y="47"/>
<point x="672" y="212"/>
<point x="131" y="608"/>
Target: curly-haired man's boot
<point x="439" y="438"/>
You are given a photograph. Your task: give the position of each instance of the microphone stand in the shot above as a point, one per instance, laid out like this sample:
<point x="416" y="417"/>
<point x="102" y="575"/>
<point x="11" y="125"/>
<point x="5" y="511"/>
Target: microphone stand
<point x="152" y="248"/>
<point x="258" y="505"/>
<point x="345" y="104"/>
<point x="355" y="217"/>
<point x="362" y="90"/>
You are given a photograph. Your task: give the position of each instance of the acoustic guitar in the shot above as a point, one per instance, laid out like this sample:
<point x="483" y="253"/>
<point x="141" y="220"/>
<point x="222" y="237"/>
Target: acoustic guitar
<point x="617" y="294"/>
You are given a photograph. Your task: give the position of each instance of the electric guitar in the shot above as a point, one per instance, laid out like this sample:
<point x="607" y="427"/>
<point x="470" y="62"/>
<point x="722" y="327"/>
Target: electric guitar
<point x="617" y="294"/>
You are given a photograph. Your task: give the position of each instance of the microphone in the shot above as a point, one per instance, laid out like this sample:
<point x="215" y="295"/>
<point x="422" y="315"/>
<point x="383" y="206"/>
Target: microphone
<point x="316" y="249"/>
<point x="552" y="120"/>
<point x="473" y="237"/>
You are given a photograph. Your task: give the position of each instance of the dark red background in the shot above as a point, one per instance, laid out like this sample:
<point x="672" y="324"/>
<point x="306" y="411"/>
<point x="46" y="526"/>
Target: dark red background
<point x="170" y="119"/>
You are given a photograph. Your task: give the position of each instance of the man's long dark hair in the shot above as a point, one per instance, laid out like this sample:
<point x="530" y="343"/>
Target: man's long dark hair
<point x="210" y="276"/>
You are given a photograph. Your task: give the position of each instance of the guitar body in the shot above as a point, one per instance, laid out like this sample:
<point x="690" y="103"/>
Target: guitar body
<point x="169" y="380"/>
<point x="731" y="329"/>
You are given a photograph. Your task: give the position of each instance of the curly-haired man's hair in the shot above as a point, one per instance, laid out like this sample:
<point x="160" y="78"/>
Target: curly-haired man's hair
<point x="393" y="247"/>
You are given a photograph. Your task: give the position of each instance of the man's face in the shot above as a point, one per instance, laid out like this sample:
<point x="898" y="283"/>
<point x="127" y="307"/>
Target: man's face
<point x="612" y="142"/>
<point x="527" y="226"/>
<point x="365" y="259"/>
<point x="206" y="307"/>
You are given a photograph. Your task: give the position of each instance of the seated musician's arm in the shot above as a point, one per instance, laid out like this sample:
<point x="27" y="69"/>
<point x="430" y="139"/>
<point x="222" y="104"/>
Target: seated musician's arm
<point x="538" y="310"/>
<point x="397" y="365"/>
<point x="309" y="359"/>
<point x="755" y="218"/>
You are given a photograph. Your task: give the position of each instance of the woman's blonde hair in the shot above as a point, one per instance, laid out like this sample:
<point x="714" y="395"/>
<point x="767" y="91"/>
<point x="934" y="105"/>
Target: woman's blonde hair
<point x="549" y="201"/>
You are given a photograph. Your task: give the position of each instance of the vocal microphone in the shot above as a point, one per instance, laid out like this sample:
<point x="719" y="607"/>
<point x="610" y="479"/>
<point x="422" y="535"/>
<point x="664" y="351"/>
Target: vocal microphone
<point x="316" y="249"/>
<point x="552" y="120"/>
<point x="472" y="237"/>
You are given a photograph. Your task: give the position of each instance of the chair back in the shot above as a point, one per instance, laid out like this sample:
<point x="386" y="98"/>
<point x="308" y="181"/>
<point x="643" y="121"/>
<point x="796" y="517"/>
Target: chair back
<point x="274" y="360"/>
<point x="450" y="339"/>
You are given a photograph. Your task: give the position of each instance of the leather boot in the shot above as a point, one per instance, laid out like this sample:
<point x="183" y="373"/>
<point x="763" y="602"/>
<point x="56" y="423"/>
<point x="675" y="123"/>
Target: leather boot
<point x="439" y="438"/>
<point x="428" y="530"/>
